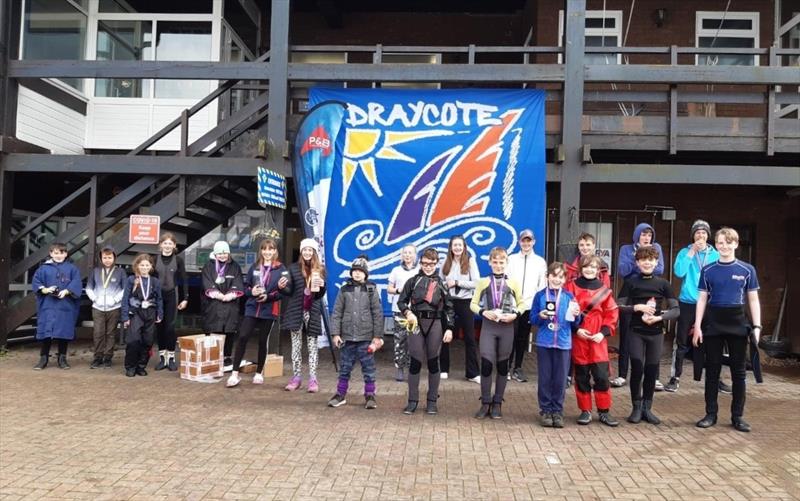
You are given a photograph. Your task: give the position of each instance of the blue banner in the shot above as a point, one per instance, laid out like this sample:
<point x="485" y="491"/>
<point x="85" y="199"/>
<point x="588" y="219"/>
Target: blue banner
<point x="419" y="166"/>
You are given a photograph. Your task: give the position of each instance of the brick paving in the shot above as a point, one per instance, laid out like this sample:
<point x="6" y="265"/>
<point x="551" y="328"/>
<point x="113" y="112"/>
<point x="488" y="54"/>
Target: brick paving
<point x="95" y="434"/>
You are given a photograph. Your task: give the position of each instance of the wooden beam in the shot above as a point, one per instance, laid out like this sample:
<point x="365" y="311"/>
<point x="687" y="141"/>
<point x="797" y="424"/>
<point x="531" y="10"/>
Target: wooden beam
<point x="127" y="164"/>
<point x="179" y="70"/>
<point x="687" y="74"/>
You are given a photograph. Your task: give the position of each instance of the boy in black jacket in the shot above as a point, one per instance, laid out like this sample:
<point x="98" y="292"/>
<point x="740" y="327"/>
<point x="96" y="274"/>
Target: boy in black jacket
<point x="644" y="296"/>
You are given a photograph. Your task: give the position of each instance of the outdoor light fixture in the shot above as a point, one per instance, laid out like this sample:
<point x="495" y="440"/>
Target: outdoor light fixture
<point x="660" y="17"/>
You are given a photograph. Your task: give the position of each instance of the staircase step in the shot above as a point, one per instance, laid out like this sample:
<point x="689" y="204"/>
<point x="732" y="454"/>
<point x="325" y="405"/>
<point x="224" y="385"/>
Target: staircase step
<point x="207" y="219"/>
<point x="211" y="205"/>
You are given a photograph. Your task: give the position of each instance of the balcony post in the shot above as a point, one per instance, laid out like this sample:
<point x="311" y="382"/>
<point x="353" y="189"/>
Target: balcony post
<point x="278" y="78"/>
<point x="571" y="136"/>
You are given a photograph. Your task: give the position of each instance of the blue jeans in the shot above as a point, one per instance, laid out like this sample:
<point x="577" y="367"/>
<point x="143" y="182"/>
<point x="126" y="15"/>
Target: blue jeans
<point x="349" y="353"/>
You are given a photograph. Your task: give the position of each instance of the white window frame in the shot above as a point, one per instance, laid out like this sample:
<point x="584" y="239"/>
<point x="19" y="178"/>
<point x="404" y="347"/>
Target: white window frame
<point x="434" y="58"/>
<point x="753" y="32"/>
<point x="595" y="32"/>
<point x="214" y="18"/>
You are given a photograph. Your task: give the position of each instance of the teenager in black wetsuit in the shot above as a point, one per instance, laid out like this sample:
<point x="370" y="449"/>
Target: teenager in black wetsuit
<point x="645" y="296"/>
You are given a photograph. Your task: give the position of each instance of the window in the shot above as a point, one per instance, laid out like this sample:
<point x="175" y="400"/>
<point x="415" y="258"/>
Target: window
<point x="159" y="6"/>
<point x="54" y="29"/>
<point x="602" y="29"/>
<point x="737" y="30"/>
<point x="123" y="41"/>
<point x="410" y="58"/>
<point x="183" y="41"/>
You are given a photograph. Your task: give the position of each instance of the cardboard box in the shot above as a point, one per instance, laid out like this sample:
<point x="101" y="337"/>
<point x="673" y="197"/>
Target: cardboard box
<point x="201" y="356"/>
<point x="249" y="368"/>
<point x="274" y="366"/>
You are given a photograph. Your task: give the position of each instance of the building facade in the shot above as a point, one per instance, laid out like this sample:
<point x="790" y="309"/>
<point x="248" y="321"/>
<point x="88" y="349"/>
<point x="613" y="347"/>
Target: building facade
<point x="663" y="112"/>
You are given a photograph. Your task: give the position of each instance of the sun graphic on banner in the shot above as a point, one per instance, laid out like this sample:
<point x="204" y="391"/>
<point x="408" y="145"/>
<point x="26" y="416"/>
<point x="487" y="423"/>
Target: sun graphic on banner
<point x="360" y="147"/>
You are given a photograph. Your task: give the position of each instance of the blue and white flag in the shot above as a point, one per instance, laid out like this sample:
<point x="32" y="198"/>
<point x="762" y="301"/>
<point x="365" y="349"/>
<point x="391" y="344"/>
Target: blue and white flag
<point x="419" y="166"/>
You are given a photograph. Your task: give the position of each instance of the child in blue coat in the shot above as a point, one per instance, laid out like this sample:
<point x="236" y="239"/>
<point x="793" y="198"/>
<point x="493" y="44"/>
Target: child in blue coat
<point x="556" y="315"/>
<point x="57" y="284"/>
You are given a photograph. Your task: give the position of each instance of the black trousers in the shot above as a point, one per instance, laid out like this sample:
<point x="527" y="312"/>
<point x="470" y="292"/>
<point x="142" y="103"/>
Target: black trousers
<point x="139" y="337"/>
<point x="249" y="325"/>
<point x="465" y="320"/>
<point x="165" y="331"/>
<point x="682" y="341"/>
<point x="46" y="343"/>
<point x="624" y="350"/>
<point x="522" y="331"/>
<point x="737" y="350"/>
<point x="645" y="352"/>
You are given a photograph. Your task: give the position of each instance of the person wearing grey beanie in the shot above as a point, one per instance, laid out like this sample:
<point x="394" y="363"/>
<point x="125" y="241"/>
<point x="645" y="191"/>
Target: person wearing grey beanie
<point x="688" y="264"/>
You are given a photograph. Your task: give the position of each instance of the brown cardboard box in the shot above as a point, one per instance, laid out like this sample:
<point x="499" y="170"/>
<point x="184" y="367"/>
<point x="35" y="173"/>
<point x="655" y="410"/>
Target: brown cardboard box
<point x="274" y="366"/>
<point x="248" y="369"/>
<point x="201" y="356"/>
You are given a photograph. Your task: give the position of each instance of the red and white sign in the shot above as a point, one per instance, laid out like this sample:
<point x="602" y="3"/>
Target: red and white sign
<point x="144" y="229"/>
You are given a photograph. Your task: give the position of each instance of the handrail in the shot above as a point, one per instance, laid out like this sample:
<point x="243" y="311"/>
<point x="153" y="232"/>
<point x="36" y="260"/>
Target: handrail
<point x="221" y="89"/>
<point x="44" y="217"/>
<point x="533" y="49"/>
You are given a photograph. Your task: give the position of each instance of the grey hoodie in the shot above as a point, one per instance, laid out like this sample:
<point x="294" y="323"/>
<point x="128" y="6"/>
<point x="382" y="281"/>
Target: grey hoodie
<point x="106" y="298"/>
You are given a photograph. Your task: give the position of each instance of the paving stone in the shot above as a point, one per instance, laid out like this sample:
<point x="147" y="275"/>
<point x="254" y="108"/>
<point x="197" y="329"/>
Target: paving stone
<point x="82" y="434"/>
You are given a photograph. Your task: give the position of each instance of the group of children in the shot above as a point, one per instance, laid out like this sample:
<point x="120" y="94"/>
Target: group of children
<point x="573" y="315"/>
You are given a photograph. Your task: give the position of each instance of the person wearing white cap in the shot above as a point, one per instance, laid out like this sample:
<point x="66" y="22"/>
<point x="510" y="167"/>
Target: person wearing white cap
<point x="530" y="271"/>
<point x="223" y="285"/>
<point x="305" y="289"/>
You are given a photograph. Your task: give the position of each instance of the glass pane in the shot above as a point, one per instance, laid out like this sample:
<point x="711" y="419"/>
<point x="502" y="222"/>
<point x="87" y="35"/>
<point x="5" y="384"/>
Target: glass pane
<point x="54" y="29"/>
<point x="726" y="59"/>
<point x="727" y="24"/>
<point x="596" y="41"/>
<point x="597" y="22"/>
<point x="123" y="41"/>
<point x="160" y="6"/>
<point x="183" y="41"/>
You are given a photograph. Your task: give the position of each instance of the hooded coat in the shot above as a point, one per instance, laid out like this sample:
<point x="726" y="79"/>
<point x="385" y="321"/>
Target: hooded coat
<point x="626" y="262"/>
<point x="219" y="316"/>
<point x="56" y="318"/>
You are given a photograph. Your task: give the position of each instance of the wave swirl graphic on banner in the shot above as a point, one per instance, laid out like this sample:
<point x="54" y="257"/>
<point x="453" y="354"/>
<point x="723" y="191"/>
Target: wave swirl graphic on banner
<point x="419" y="166"/>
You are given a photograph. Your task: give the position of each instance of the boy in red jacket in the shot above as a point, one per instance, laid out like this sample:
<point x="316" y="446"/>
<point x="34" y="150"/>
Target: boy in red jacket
<point x="589" y="343"/>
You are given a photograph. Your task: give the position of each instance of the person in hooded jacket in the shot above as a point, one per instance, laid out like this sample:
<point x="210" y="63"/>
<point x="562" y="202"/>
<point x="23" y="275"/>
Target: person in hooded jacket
<point x="643" y="235"/>
<point x="105" y="288"/>
<point x="57" y="284"/>
<point x="222" y="287"/>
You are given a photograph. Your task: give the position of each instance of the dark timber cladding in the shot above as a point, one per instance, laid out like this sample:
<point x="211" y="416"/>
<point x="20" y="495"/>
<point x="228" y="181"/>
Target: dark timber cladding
<point x="570" y="186"/>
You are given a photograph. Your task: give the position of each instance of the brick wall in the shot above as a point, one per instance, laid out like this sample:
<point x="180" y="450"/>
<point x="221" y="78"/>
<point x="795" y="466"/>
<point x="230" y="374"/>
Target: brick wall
<point x="768" y="212"/>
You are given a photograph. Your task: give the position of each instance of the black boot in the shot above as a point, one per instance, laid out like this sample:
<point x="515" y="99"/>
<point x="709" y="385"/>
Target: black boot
<point x="43" y="359"/>
<point x="62" y="361"/>
<point x="497" y="412"/>
<point x="647" y="414"/>
<point x="162" y="361"/>
<point x="96" y="363"/>
<point x="107" y="362"/>
<point x="141" y="371"/>
<point x="130" y="371"/>
<point x="431" y="408"/>
<point x="411" y="408"/>
<point x="636" y="413"/>
<point x="483" y="411"/>
<point x="708" y="421"/>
